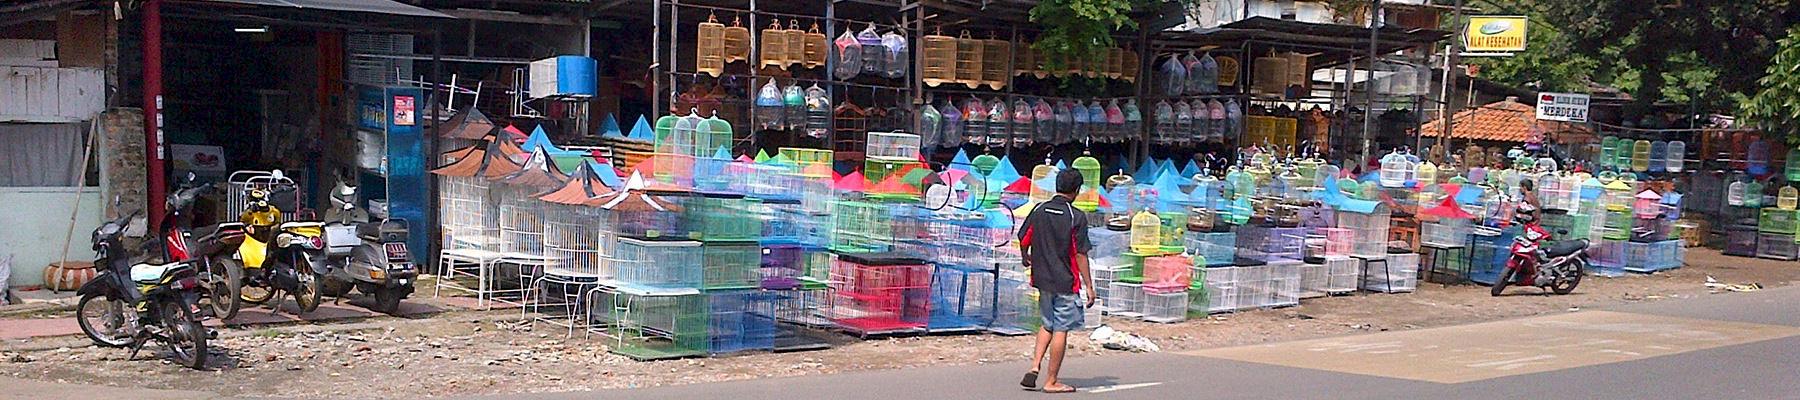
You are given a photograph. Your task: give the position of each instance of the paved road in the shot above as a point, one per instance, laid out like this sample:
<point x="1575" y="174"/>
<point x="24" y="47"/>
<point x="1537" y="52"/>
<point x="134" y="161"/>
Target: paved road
<point x="1739" y="346"/>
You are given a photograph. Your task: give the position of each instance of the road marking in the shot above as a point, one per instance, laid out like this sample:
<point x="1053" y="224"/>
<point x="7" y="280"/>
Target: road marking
<point x="1476" y="352"/>
<point x="1111" y="388"/>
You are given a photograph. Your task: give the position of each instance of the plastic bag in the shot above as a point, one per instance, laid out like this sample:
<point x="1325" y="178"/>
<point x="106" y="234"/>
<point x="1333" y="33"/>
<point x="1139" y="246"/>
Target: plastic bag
<point x="1023" y="122"/>
<point x="1165" y="122"/>
<point x="1234" y="120"/>
<point x="1220" y="121"/>
<point x="1184" y="122"/>
<point x="770" y="110"/>
<point x="1097" y="127"/>
<point x="793" y="99"/>
<point x="896" y="60"/>
<point x="1110" y="338"/>
<point x="874" y="53"/>
<point x="1065" y="122"/>
<point x="931" y="130"/>
<point x="997" y="122"/>
<point x="1203" y="75"/>
<point x="1134" y="119"/>
<point x="975" y="128"/>
<point x="1173" y="76"/>
<point x="952" y="125"/>
<point x="1044" y="118"/>
<point x="849" y="56"/>
<point x="1115" y="121"/>
<point x="1191" y="67"/>
<point x="818" y="112"/>
<point x="1083" y="123"/>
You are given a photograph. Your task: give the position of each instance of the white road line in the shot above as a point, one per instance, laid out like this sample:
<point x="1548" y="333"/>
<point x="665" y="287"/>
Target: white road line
<point x="1110" y="388"/>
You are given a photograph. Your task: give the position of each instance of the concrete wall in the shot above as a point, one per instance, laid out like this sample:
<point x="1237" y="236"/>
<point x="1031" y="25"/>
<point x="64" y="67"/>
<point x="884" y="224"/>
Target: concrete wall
<point x="36" y="222"/>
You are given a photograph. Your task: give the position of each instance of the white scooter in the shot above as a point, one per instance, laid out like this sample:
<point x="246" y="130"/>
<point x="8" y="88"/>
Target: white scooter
<point x="370" y="257"/>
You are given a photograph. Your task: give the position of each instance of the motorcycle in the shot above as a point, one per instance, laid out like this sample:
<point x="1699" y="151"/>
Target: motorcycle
<point x="368" y="256"/>
<point x="1557" y="266"/>
<point x="209" y="250"/>
<point x="278" y="255"/>
<point x="128" y="305"/>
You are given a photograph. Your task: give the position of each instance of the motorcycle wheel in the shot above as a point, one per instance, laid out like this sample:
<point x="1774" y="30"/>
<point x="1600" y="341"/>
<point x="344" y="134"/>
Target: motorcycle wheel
<point x="103" y="320"/>
<point x="387" y="300"/>
<point x="226" y="288"/>
<point x="1506" y="276"/>
<point x="334" y="287"/>
<point x="186" y="338"/>
<point x="1567" y="286"/>
<point x="256" y="294"/>
<point x="306" y="294"/>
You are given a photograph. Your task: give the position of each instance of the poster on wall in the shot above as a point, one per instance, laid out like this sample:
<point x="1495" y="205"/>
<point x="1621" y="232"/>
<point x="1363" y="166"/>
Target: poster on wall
<point x="1566" y="107"/>
<point x="403" y="110"/>
<point x="1494" y="34"/>
<point x="199" y="159"/>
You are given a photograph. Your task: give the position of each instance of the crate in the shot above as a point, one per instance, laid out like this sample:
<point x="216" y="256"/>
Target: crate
<point x="880" y="293"/>
<point x="658" y="263"/>
<point x="719" y="217"/>
<point x="1775" y="220"/>
<point x="1608" y="258"/>
<point x="1741" y="242"/>
<point x="651" y="324"/>
<point x="1125" y="299"/>
<point x="1448" y="232"/>
<point x="1777" y="246"/>
<point x="1169" y="307"/>
<point x="1396" y="273"/>
<point x="1217" y="248"/>
<point x="740" y="320"/>
<point x="961" y="299"/>
<point x="1165" y="274"/>
<point x="1653" y="256"/>
<point x="861" y="227"/>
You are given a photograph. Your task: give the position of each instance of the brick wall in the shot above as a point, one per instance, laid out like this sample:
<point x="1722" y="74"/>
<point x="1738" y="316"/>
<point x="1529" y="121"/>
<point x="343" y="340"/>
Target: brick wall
<point x="122" y="155"/>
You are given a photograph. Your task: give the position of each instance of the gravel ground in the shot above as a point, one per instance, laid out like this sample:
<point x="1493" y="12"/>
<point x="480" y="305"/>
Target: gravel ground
<point x="454" y="355"/>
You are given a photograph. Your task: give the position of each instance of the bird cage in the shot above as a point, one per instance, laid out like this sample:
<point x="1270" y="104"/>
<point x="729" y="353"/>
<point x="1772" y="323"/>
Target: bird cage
<point x="741" y="320"/>
<point x="861" y="227"/>
<point x="1677" y="156"/>
<point x="1146" y="232"/>
<point x="848" y="56"/>
<point x="1270" y="74"/>
<point x="1647" y="204"/>
<point x="1023" y="122"/>
<point x="651" y="324"/>
<point x="722" y="217"/>
<point x="663" y="264"/>
<point x="880" y="293"/>
<point x="897" y="59"/>
<point x="995" y="56"/>
<point x="1659" y="155"/>
<point x="937" y="59"/>
<point x="640" y="215"/>
<point x="710" y="47"/>
<point x="1043" y="122"/>
<point x="1128" y="66"/>
<point x="771" y="110"/>
<point x="810" y="163"/>
<point x="572" y="245"/>
<point x="1025" y="61"/>
<point x="1168" y="274"/>
<point x="962" y="298"/>
<point x="1369" y="230"/>
<point x="1114" y="65"/>
<point x="1640" y="156"/>
<point x="795" y="40"/>
<point x="774" y="46"/>
<point x="1396" y="169"/>
<point x="793" y="103"/>
<point x="1172" y="230"/>
<point x="996" y="122"/>
<point x="873" y="51"/>
<point x="730" y="265"/>
<point x="521" y="213"/>
<point x="969" y="60"/>
<point x="736" y="41"/>
<point x="814" y="48"/>
<point x="893" y="145"/>
<point x="1787" y="197"/>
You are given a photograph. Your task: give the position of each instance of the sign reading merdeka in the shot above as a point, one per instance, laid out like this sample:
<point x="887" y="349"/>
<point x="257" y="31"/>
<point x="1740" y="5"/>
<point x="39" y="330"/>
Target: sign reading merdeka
<point x="1565" y="107"/>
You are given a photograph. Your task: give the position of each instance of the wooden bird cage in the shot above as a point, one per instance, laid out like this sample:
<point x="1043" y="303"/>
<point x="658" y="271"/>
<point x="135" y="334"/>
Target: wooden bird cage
<point x="815" y="49"/>
<point x="1128" y="66"/>
<point x="737" y="41"/>
<point x="1071" y="66"/>
<point x="969" y="54"/>
<point x="796" y="43"/>
<point x="937" y="59"/>
<point x="850" y="123"/>
<point x="1271" y="74"/>
<point x="1024" y="61"/>
<point x="1115" y="63"/>
<point x="995" y="54"/>
<point x="774" y="47"/>
<point x="710" y="47"/>
<point x="1092" y="67"/>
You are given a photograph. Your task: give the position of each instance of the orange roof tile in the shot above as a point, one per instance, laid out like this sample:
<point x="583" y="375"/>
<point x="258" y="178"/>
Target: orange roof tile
<point x="1503" y="121"/>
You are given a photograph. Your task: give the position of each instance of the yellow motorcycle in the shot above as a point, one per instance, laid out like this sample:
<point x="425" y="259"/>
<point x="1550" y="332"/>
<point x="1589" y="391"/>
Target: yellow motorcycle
<point x="277" y="255"/>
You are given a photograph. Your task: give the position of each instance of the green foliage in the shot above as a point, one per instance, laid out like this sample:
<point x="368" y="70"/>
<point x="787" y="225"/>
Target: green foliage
<point x="1776" y="106"/>
<point x="1079" y="29"/>
<point x="1546" y="64"/>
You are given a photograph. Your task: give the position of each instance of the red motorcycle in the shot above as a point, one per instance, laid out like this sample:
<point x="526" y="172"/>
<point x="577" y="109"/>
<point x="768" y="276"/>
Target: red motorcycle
<point x="1557" y="266"/>
<point x="208" y="247"/>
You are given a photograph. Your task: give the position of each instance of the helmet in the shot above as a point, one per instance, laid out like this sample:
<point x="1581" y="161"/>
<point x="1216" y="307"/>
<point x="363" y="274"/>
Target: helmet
<point x="1525" y="214"/>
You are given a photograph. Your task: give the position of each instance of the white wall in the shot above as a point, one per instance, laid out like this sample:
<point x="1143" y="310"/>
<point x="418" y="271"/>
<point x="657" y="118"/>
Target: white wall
<point x="34" y="222"/>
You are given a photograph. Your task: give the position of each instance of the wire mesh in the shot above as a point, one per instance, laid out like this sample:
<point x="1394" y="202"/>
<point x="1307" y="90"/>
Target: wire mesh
<point x="572" y="242"/>
<point x="1169" y="307"/>
<point x="861" y="227"/>
<point x="471" y="215"/>
<point x="648" y="326"/>
<point x="723" y="218"/>
<point x="730" y="265"/>
<point x="880" y="294"/>
<point x="658" y="264"/>
<point x="1369" y="231"/>
<point x="521" y="222"/>
<point x="961" y="298"/>
<point x="741" y="320"/>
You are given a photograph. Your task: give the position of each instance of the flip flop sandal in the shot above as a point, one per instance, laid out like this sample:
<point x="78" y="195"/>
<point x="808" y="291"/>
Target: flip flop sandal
<point x="1064" y="389"/>
<point x="1030" y="381"/>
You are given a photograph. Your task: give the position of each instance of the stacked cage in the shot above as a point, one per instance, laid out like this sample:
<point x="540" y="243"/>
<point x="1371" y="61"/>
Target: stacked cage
<point x="1015" y="308"/>
<point x="1216" y="248"/>
<point x="1369" y="231"/>
<point x="1777" y="246"/>
<point x="1608" y="258"/>
<point x="1488" y="251"/>
<point x="787" y="222"/>
<point x="962" y="298"/>
<point x="1446" y="232"/>
<point x="651" y="324"/>
<point x="1221" y="289"/>
<point x="662" y="264"/>
<point x="1326" y="242"/>
<point x="1341" y="275"/>
<point x="1268" y="244"/>
<point x="573" y="244"/>
<point x="1167" y="274"/>
<point x="1741" y="241"/>
<point x="1125" y="299"/>
<point x="1396" y="273"/>
<point x="880" y="293"/>
<point x="741" y="320"/>
<point x="1655" y="256"/>
<point x="471" y="214"/>
<point x="861" y="227"/>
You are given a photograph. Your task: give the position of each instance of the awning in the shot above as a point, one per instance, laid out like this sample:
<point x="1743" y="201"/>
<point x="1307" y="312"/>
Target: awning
<point x="388" y="7"/>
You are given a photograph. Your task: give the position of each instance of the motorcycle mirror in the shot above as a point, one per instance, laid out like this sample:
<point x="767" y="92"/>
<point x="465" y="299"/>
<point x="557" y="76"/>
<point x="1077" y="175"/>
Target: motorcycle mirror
<point x="1562" y="231"/>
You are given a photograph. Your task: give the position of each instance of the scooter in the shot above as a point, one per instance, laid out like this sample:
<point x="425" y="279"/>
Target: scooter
<point x="128" y="305"/>
<point x="209" y="251"/>
<point x="370" y="257"/>
<point x="279" y="255"/>
<point x="1557" y="266"/>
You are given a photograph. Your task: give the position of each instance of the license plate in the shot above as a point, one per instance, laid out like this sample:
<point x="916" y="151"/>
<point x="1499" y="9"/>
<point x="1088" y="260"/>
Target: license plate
<point x="397" y="251"/>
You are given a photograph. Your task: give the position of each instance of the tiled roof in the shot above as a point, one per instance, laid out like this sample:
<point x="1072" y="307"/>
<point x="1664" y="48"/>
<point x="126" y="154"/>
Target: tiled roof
<point x="1504" y="121"/>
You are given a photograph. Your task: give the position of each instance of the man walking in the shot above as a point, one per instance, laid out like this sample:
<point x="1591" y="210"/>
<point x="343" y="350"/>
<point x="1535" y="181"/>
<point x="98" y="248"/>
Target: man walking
<point x="1054" y="244"/>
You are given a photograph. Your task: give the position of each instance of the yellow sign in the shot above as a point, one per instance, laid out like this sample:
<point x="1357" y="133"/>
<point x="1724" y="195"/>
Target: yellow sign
<point x="1494" y="34"/>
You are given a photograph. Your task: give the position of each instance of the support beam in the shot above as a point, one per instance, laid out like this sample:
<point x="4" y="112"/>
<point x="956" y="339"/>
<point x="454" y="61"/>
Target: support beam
<point x="153" y="133"/>
<point x="506" y="16"/>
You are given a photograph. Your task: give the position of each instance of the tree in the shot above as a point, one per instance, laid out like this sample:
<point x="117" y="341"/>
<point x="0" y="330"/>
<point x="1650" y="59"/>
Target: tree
<point x="1547" y="64"/>
<point x="1776" y="107"/>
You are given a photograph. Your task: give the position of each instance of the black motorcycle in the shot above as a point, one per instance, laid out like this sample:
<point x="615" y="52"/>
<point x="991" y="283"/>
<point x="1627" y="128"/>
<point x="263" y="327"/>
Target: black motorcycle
<point x="128" y="305"/>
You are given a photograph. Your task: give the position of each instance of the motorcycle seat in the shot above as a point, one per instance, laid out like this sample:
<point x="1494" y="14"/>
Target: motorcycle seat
<point x="1563" y="248"/>
<point x="150" y="274"/>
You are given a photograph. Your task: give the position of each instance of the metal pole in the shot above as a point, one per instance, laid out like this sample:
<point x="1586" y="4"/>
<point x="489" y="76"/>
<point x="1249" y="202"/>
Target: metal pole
<point x="656" y="67"/>
<point x="1369" y="81"/>
<point x="1450" y="59"/>
<point x="434" y="141"/>
<point x="153" y="133"/>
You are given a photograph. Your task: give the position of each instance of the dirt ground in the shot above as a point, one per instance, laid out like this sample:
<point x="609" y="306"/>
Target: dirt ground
<point x="452" y="355"/>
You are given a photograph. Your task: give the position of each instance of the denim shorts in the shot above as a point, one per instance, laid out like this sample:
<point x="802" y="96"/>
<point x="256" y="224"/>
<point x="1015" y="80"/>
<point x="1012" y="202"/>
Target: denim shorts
<point x="1062" y="312"/>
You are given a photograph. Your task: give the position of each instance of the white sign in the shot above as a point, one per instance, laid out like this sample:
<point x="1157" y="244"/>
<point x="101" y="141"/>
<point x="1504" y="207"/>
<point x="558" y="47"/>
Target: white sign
<point x="1566" y="107"/>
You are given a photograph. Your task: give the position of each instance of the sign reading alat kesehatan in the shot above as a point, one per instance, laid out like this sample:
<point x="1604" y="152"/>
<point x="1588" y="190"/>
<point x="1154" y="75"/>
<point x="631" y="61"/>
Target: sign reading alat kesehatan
<point x="1494" y="34"/>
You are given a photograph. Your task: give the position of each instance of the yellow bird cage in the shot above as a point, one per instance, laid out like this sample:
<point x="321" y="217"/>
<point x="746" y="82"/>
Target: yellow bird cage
<point x="1024" y="61"/>
<point x="1128" y="66"/>
<point x="1115" y="63"/>
<point x="937" y="59"/>
<point x="1271" y="74"/>
<point x="815" y="49"/>
<point x="774" y="47"/>
<point x="995" y="54"/>
<point x="969" y="54"/>
<point x="796" y="43"/>
<point x="737" y="41"/>
<point x="710" y="47"/>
